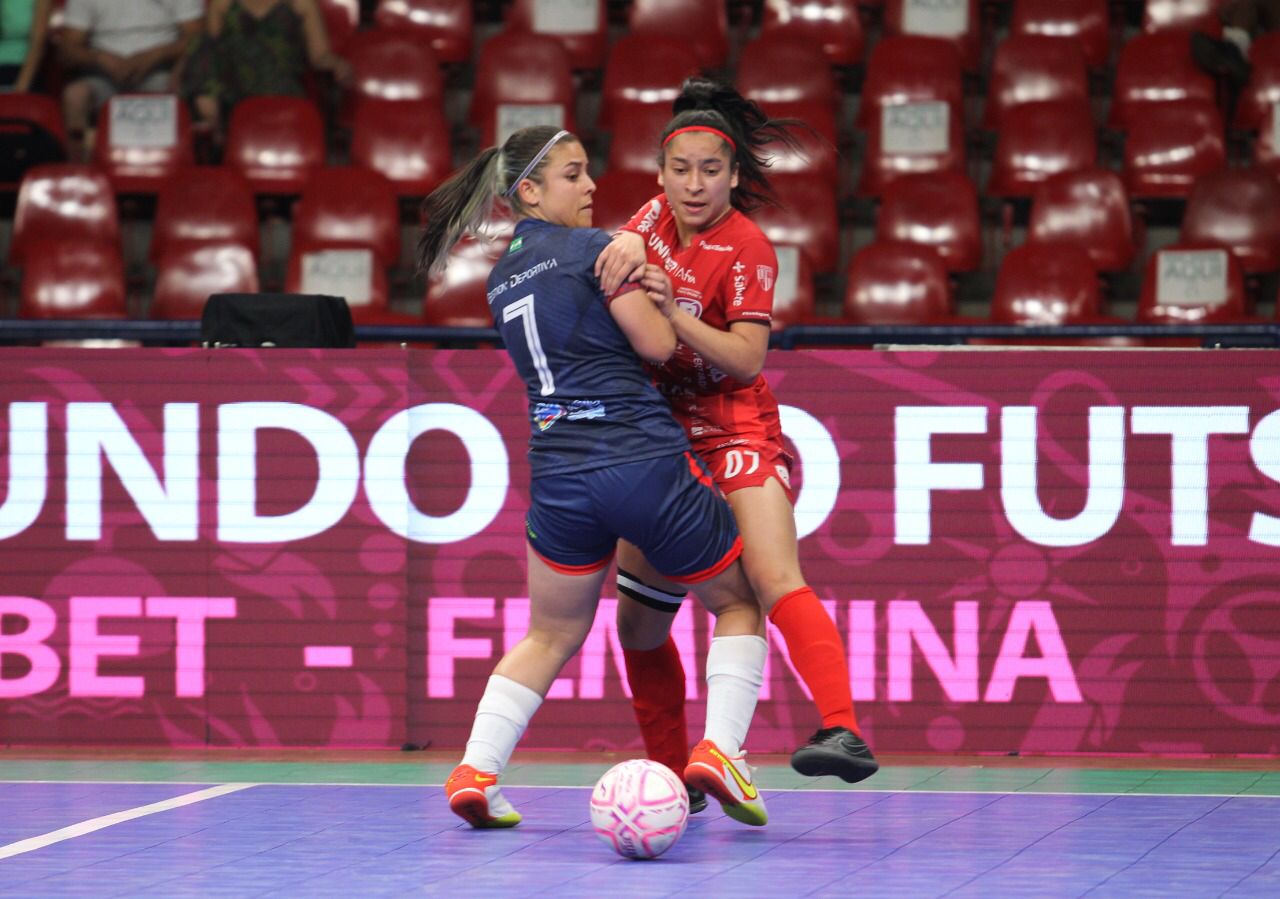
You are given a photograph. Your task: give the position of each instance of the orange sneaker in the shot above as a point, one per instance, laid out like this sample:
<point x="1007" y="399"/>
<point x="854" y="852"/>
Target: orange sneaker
<point x="729" y="780"/>
<point x="476" y="798"/>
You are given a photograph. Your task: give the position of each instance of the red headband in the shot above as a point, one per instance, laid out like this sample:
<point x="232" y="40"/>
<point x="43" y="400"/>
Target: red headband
<point x="707" y="128"/>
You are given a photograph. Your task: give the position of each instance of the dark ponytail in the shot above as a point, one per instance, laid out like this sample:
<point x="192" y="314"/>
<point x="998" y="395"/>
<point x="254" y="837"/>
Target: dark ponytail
<point x="705" y="102"/>
<point x="465" y="202"/>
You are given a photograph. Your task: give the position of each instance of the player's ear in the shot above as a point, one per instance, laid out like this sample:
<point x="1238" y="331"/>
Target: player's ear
<point x="733" y="177"/>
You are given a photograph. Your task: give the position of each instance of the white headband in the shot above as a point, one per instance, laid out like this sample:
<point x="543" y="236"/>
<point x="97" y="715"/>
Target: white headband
<point x="533" y="163"/>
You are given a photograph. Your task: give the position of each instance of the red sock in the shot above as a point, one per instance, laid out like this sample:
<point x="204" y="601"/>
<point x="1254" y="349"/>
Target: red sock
<point x="817" y="652"/>
<point x="656" y="677"/>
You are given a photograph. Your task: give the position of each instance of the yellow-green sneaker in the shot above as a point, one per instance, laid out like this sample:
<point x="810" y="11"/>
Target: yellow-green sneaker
<point x="729" y="780"/>
<point x="475" y="797"/>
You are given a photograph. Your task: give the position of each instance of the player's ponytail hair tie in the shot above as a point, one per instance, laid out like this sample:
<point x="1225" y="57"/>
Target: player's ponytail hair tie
<point x="707" y="128"/>
<point x="533" y="163"/>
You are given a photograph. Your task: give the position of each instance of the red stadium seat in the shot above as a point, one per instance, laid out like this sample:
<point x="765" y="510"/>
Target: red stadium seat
<point x="896" y="283"/>
<point x="391" y="65"/>
<point x="1090" y="209"/>
<point x="636" y="139"/>
<point x="142" y="140"/>
<point x="619" y="194"/>
<point x="833" y="25"/>
<point x="938" y="211"/>
<point x="349" y="207"/>
<point x="204" y="205"/>
<point x="1238" y="209"/>
<point x="1037" y="140"/>
<point x="794" y="302"/>
<point x="188" y="274"/>
<point x="1263" y="90"/>
<point x="958" y="22"/>
<point x="351" y="272"/>
<point x="1170" y="145"/>
<point x="644" y="70"/>
<point x="806" y="217"/>
<point x="910" y="69"/>
<point x="1046" y="284"/>
<point x="445" y="25"/>
<point x="1192" y="283"/>
<point x="1182" y="15"/>
<point x="457" y="298"/>
<point x="31" y="134"/>
<point x="704" y="23"/>
<point x="1157" y="69"/>
<point x="72" y="278"/>
<point x="521" y="79"/>
<point x="814" y="154"/>
<point x="341" y="18"/>
<point x="1087" y="20"/>
<point x="583" y="27"/>
<point x="1033" y="68"/>
<point x="63" y="202"/>
<point x="275" y="143"/>
<point x="404" y="141"/>
<point x="912" y="138"/>
<point x="783" y="70"/>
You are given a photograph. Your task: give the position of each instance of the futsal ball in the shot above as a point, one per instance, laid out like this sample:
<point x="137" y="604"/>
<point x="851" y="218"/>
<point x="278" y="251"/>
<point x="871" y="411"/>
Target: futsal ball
<point x="640" y="808"/>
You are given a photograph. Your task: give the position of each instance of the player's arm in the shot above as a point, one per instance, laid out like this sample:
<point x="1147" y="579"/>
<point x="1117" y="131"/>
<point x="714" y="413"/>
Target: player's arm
<point x="738" y="352"/>
<point x="624" y="258"/>
<point x="639" y="314"/>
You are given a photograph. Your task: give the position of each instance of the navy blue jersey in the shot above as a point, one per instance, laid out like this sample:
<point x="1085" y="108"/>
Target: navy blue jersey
<point x="591" y="402"/>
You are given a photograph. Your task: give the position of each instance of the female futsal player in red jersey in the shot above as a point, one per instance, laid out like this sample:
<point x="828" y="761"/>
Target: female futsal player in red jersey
<point x="723" y="270"/>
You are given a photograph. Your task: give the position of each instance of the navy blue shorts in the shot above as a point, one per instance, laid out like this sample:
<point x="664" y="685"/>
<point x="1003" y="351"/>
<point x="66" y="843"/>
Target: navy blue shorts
<point x="668" y="507"/>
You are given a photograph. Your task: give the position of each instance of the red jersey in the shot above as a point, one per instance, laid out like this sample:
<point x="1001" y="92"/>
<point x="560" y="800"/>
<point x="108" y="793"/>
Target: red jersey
<point x="725" y="275"/>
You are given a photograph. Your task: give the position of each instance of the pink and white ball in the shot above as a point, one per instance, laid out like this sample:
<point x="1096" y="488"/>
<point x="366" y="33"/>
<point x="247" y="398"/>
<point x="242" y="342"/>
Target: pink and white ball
<point x="640" y="808"/>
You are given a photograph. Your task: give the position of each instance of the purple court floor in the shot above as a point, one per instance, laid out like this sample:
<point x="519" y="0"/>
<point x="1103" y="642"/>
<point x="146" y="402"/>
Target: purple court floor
<point x="105" y="839"/>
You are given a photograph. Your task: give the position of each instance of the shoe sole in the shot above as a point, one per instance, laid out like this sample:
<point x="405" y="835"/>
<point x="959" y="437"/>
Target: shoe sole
<point x="474" y="809"/>
<point x="850" y="769"/>
<point x="706" y="781"/>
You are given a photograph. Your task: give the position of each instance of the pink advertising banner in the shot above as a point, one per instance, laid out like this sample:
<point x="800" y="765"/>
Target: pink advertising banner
<point x="1027" y="551"/>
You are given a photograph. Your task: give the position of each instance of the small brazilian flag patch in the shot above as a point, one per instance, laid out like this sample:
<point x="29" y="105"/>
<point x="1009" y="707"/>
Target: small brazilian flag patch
<point x="515" y="244"/>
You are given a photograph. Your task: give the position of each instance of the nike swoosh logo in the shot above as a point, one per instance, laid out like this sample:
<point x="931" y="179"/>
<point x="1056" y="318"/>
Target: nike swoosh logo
<point x="748" y="789"/>
<point x="485" y="779"/>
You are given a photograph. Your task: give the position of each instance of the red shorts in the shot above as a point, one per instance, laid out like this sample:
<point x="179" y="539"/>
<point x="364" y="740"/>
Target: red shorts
<point x="747" y="463"/>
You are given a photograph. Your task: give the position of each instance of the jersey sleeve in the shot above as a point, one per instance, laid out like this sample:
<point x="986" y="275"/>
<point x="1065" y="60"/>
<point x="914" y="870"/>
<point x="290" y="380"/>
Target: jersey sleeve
<point x="646" y="217"/>
<point x="751" y="280"/>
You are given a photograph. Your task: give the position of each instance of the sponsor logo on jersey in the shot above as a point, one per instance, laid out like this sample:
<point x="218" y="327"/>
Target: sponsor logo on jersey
<point x="783" y="475"/>
<point x="516" y="244"/>
<point x="717" y="247"/>
<point x="764" y="274"/>
<point x="739" y="282"/>
<point x="580" y="409"/>
<point x="674" y="270"/>
<point x="650" y="218"/>
<point x="547" y="414"/>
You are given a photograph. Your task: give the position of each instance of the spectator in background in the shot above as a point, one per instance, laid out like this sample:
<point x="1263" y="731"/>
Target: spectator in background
<point x="256" y="48"/>
<point x="119" y="46"/>
<point x="24" y="26"/>
<point x="1228" y="57"/>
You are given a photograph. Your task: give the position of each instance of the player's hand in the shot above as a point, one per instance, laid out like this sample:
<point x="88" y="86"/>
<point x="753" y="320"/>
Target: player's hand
<point x="622" y="260"/>
<point x="658" y="286"/>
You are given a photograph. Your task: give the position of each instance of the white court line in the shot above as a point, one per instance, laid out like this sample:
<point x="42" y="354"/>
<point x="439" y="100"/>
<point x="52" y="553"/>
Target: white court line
<point x="84" y="827"/>
<point x="768" y="789"/>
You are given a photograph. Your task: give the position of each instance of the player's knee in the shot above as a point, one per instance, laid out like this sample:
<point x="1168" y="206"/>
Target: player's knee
<point x="640" y="627"/>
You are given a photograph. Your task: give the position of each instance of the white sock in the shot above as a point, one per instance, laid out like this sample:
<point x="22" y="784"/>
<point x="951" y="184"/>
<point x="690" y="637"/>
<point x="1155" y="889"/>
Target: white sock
<point x="1239" y="37"/>
<point x="735" y="673"/>
<point x="501" y="718"/>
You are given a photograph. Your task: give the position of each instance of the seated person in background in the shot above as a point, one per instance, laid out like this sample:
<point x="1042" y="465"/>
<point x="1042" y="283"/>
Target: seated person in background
<point x="24" y="26"/>
<point x="1228" y="57"/>
<point x="120" y="46"/>
<point x="256" y="48"/>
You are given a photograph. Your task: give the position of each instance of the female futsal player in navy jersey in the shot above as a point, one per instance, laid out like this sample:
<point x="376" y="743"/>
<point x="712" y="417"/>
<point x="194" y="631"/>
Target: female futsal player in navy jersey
<point x="607" y="461"/>
<point x="713" y="172"/>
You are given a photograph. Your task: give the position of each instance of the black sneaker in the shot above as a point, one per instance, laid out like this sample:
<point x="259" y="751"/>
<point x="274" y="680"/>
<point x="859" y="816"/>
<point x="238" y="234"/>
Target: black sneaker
<point x="697" y="799"/>
<point x="836" y="751"/>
